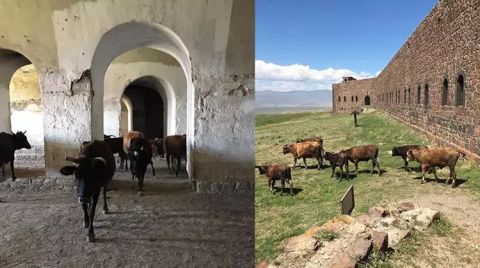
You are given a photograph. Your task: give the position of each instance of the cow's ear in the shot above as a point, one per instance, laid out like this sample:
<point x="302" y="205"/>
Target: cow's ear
<point x="67" y="170"/>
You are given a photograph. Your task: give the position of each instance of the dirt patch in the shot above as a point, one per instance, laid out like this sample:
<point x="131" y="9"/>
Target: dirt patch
<point x="170" y="225"/>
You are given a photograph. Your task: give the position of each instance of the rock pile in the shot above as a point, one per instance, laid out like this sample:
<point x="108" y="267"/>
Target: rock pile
<point x="344" y="240"/>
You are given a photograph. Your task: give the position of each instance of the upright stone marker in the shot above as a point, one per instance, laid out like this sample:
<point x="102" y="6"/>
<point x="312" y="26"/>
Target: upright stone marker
<point x="347" y="203"/>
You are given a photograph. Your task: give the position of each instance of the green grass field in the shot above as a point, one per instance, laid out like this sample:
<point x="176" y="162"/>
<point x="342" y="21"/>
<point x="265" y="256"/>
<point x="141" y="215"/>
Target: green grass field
<point x="278" y="217"/>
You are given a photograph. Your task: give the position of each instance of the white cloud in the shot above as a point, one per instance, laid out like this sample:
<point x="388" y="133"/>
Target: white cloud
<point x="270" y="76"/>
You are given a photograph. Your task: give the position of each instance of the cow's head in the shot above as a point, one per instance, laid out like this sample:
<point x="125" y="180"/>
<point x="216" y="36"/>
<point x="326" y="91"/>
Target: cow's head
<point x="139" y="148"/>
<point x="395" y="151"/>
<point x="410" y="154"/>
<point x="287" y="148"/>
<point x="21" y="140"/>
<point x="160" y="148"/>
<point x="262" y="169"/>
<point x="86" y="172"/>
<point x="328" y="155"/>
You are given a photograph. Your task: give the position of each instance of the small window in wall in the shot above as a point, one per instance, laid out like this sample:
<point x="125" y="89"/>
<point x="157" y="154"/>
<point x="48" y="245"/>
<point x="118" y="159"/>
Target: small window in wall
<point x="352" y="98"/>
<point x="445" y="92"/>
<point x="404" y="96"/>
<point x="356" y="98"/>
<point x="419" y="91"/>
<point x="426" y="97"/>
<point x="339" y="98"/>
<point x="408" y="95"/>
<point x="460" y="96"/>
<point x="344" y="98"/>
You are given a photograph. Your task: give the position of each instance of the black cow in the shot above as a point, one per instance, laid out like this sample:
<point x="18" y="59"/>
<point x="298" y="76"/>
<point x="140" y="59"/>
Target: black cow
<point x="140" y="154"/>
<point x="402" y="151"/>
<point x="94" y="169"/>
<point x="116" y="145"/>
<point x="337" y="160"/>
<point x="9" y="143"/>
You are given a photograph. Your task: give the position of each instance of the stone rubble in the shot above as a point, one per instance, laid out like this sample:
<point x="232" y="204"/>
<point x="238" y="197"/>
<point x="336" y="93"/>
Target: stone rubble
<point x="344" y="241"/>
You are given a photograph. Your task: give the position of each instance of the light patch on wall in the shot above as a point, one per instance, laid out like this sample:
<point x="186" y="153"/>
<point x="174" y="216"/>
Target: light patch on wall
<point x="24" y="85"/>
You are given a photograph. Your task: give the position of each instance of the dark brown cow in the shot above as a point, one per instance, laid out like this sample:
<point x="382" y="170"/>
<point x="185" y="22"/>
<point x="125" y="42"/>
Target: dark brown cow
<point x="363" y="153"/>
<point x="277" y="172"/>
<point x="116" y="145"/>
<point x="9" y="143"/>
<point x="304" y="150"/>
<point x="127" y="138"/>
<point x="441" y="157"/>
<point x="175" y="149"/>
<point x="402" y="152"/>
<point x="337" y="160"/>
<point x="94" y="169"/>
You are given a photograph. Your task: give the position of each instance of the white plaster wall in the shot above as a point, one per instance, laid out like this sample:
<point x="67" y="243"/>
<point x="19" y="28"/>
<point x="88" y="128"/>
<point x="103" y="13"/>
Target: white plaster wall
<point x="213" y="40"/>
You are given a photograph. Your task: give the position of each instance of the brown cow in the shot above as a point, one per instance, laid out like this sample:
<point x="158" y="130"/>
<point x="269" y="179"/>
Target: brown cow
<point x="363" y="153"/>
<point x="402" y="152"/>
<point x="304" y="150"/>
<point x="175" y="149"/>
<point x="429" y="158"/>
<point x="127" y="138"/>
<point x="277" y="172"/>
<point x="337" y="160"/>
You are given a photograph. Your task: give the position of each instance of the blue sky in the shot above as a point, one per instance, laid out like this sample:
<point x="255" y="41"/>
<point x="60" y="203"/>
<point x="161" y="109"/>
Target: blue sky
<point x="309" y="44"/>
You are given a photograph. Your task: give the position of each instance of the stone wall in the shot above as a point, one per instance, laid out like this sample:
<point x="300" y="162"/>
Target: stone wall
<point x="444" y="46"/>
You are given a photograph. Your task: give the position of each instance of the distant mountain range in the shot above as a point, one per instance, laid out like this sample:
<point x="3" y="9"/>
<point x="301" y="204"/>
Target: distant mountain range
<point x="317" y="98"/>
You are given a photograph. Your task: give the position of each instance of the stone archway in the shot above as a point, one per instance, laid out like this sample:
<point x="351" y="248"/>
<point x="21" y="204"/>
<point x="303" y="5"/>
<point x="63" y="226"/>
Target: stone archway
<point x="130" y="36"/>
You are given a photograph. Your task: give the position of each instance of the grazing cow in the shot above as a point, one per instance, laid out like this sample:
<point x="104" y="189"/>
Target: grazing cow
<point x="277" y="172"/>
<point x="337" y="160"/>
<point x="140" y="153"/>
<point x="363" y="153"/>
<point x="126" y="145"/>
<point x="441" y="157"/>
<point x="402" y="152"/>
<point x="304" y="150"/>
<point x="116" y="145"/>
<point x="9" y="143"/>
<point x="175" y="149"/>
<point x="94" y="169"/>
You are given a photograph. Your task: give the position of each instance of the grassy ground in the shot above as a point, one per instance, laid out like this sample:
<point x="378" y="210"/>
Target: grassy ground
<point x="317" y="195"/>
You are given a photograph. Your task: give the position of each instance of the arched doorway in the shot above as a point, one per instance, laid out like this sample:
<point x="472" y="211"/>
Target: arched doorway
<point x="21" y="107"/>
<point x="147" y="109"/>
<point x="366" y="101"/>
<point x="135" y="35"/>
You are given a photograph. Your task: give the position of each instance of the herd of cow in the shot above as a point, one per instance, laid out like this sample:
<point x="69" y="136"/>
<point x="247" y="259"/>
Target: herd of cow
<point x="428" y="157"/>
<point x="95" y="165"/>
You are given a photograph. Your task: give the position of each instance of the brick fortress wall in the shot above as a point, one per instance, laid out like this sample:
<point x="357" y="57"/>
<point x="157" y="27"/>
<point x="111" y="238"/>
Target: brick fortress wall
<point x="422" y="84"/>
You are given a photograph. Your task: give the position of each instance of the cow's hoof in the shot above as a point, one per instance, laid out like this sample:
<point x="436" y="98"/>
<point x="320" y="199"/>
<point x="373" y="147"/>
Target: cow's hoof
<point x="14" y="178"/>
<point x="140" y="193"/>
<point x="105" y="211"/>
<point x="422" y="182"/>
<point x="90" y="238"/>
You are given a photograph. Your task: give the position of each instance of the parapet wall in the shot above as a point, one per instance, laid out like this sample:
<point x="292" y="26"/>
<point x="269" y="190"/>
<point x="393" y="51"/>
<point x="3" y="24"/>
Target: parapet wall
<point x="421" y="84"/>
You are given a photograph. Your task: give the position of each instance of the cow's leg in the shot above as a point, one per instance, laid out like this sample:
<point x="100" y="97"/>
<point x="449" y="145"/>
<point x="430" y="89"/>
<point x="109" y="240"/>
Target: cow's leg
<point x="333" y="171"/>
<point x="270" y="185"/>
<point x="320" y="162"/>
<point x="378" y="166"/>
<point x="153" y="169"/>
<point x="454" y="177"/>
<point x="283" y="185"/>
<point x="294" y="162"/>
<point x="291" y="186"/>
<point x="168" y="162"/>
<point x="105" y="207"/>
<point x="405" y="164"/>
<point x="373" y="166"/>
<point x="424" y="170"/>
<point x="305" y="162"/>
<point x="12" y="168"/>
<point x="3" y="170"/>
<point x="178" y="167"/>
<point x="341" y="172"/>
<point x="435" y="174"/>
<point x="140" y="185"/>
<point x="91" y="233"/>
<point x="356" y="167"/>
<point x="86" y="220"/>
<point x="347" y="171"/>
